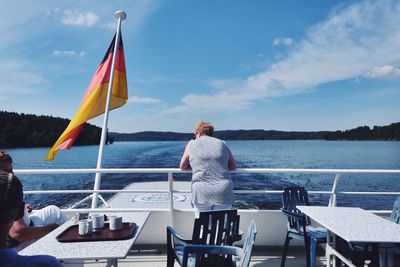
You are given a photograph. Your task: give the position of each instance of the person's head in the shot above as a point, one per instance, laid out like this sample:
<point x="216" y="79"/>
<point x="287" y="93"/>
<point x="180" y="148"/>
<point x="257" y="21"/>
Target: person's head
<point x="11" y="198"/>
<point x="203" y="128"/>
<point x="5" y="162"/>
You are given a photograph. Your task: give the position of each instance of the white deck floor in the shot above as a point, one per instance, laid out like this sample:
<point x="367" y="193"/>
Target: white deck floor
<point x="139" y="200"/>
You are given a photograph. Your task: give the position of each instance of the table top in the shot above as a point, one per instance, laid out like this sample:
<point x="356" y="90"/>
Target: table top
<point x="117" y="249"/>
<point x="354" y="224"/>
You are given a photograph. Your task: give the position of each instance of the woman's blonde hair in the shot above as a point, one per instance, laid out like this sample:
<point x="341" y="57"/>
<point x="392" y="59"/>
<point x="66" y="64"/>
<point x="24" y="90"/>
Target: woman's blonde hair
<point x="204" y="128"/>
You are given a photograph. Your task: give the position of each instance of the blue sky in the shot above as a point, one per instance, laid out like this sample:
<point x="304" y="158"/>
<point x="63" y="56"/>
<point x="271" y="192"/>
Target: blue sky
<point x="282" y="65"/>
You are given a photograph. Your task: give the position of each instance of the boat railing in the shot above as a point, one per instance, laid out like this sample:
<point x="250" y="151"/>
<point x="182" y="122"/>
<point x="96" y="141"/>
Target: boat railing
<point x="171" y="191"/>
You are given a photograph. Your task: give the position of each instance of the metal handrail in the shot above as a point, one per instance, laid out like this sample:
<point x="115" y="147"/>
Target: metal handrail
<point x="125" y="191"/>
<point x="170" y="171"/>
<point x="177" y="170"/>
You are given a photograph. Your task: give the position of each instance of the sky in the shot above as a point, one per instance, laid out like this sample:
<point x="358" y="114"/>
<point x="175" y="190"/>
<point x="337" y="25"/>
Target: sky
<point x="275" y="65"/>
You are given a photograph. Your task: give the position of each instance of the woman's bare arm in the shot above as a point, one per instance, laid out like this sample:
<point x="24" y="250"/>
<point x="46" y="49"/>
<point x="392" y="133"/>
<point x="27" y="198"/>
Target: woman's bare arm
<point x="185" y="164"/>
<point x="22" y="232"/>
<point x="231" y="161"/>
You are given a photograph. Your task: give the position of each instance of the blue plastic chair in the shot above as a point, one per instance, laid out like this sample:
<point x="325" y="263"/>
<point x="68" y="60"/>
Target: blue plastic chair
<point x="299" y="225"/>
<point x="211" y="228"/>
<point x="395" y="215"/>
<point x="197" y="255"/>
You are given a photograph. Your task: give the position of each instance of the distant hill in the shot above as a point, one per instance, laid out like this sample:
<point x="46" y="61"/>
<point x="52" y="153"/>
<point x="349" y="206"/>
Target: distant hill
<point x="390" y="132"/>
<point x="268" y="135"/>
<point x="24" y="130"/>
<point x="150" y="136"/>
<point x="224" y="135"/>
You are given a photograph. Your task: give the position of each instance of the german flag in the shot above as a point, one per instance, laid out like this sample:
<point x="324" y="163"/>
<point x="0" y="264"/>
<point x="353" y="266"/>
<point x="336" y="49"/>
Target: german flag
<point x="94" y="101"/>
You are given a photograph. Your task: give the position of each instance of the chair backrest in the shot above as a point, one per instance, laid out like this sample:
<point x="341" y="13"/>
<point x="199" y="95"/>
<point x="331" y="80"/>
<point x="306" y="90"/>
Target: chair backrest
<point x="395" y="215"/>
<point x="248" y="244"/>
<point x="216" y="228"/>
<point x="216" y="255"/>
<point x="291" y="198"/>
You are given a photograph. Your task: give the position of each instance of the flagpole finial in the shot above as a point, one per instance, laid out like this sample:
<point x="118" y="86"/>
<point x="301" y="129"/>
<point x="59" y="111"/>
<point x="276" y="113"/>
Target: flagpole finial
<point x="120" y="15"/>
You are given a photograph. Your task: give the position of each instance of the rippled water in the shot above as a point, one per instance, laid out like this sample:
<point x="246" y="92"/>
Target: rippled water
<point x="248" y="154"/>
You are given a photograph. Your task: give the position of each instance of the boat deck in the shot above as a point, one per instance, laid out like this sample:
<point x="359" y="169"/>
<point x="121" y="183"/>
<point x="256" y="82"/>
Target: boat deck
<point x="149" y="249"/>
<point x="152" y="200"/>
<point x="146" y="254"/>
<point x="262" y="257"/>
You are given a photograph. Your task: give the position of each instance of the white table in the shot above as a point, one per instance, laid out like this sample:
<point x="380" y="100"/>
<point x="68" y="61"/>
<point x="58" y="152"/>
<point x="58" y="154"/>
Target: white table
<point x="354" y="225"/>
<point x="109" y="250"/>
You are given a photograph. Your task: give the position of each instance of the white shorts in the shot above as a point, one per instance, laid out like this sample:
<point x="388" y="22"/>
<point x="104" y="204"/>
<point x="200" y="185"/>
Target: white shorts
<point x="48" y="215"/>
<point x="209" y="207"/>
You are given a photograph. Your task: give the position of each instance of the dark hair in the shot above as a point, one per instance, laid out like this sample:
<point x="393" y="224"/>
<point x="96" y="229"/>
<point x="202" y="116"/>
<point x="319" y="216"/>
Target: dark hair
<point x="5" y="161"/>
<point x="11" y="196"/>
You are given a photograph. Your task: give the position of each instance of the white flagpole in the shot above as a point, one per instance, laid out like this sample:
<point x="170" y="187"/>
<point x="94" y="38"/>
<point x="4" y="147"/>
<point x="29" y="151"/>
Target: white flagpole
<point x="120" y="15"/>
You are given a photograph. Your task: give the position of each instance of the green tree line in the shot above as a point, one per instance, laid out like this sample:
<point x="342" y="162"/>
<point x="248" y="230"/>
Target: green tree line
<point x="224" y="135"/>
<point x="390" y="132"/>
<point x="25" y="130"/>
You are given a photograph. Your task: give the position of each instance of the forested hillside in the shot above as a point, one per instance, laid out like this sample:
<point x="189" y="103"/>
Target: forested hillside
<point x="390" y="132"/>
<point x="268" y="135"/>
<point x="224" y="135"/>
<point x="24" y="130"/>
<point x="150" y="136"/>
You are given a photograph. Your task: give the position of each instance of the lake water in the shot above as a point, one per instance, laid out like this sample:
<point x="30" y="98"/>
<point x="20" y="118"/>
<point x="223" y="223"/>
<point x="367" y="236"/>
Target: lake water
<point x="248" y="154"/>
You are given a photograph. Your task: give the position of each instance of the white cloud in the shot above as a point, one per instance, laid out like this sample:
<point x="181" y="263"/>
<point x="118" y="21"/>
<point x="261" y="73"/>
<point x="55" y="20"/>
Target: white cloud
<point x="350" y="42"/>
<point x="110" y="26"/>
<point x="156" y="79"/>
<point x="283" y="41"/>
<point x="387" y="71"/>
<point x="16" y="29"/>
<point x="18" y="77"/>
<point x="384" y="92"/>
<point x="177" y="109"/>
<point x="68" y="53"/>
<point x="220" y="101"/>
<point x="143" y="100"/>
<point x="79" y="19"/>
<point x="24" y="67"/>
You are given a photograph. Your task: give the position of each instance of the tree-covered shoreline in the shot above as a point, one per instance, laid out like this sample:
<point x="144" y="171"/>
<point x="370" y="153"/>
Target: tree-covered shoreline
<point x="383" y="133"/>
<point x="377" y="133"/>
<point x="224" y="135"/>
<point x="26" y="130"/>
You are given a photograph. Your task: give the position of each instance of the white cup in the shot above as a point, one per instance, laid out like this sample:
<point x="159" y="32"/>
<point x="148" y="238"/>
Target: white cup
<point x="115" y="222"/>
<point x="85" y="227"/>
<point x="98" y="221"/>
